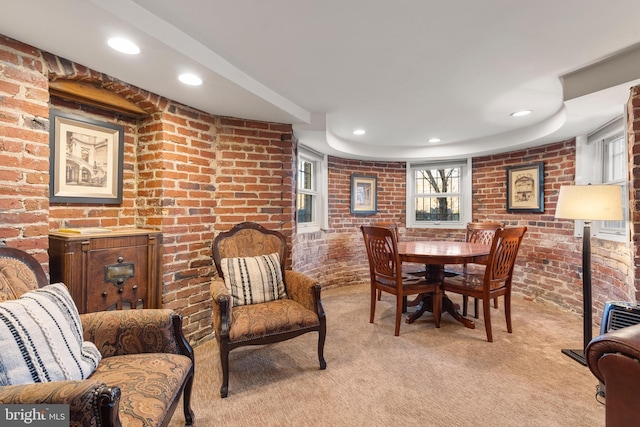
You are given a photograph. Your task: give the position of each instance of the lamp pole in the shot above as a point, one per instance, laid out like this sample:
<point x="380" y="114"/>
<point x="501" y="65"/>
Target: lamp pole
<point x="588" y="203"/>
<point x="586" y="286"/>
<point x="578" y="355"/>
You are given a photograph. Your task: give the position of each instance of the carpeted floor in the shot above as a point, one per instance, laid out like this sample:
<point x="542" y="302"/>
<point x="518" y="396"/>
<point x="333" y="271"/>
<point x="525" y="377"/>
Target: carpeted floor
<point x="431" y="377"/>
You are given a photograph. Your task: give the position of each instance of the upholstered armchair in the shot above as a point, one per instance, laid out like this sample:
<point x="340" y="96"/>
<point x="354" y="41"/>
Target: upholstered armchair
<point x="142" y="362"/>
<point x="255" y="300"/>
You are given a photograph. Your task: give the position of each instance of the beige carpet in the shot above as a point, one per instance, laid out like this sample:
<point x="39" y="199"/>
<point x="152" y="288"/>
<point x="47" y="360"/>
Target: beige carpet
<point x="430" y="377"/>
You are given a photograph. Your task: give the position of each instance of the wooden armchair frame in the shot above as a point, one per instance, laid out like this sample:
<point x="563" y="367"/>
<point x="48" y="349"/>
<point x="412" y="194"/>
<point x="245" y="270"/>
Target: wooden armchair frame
<point x="91" y="401"/>
<point x="303" y="302"/>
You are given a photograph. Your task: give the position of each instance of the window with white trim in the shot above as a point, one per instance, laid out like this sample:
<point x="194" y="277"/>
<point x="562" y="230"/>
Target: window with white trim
<point x="439" y="194"/>
<point x="601" y="158"/>
<point x="311" y="206"/>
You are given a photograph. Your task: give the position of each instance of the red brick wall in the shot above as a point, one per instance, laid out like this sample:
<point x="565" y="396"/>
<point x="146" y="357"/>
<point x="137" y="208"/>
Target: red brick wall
<point x="24" y="149"/>
<point x="335" y="256"/>
<point x="186" y="173"/>
<point x="255" y="174"/>
<point x="191" y="174"/>
<point x="548" y="266"/>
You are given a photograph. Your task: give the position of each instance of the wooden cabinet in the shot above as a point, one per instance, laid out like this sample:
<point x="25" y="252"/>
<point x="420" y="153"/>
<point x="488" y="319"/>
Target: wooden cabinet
<point x="106" y="271"/>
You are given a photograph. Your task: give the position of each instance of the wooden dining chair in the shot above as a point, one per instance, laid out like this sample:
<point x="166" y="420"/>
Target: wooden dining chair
<point x="479" y="232"/>
<point x="407" y="269"/>
<point x="497" y="277"/>
<point x="385" y="269"/>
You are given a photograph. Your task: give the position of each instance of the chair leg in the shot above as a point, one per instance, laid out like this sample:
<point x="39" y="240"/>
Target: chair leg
<point x="465" y="304"/>
<point x="373" y="304"/>
<point x="507" y="310"/>
<point x="322" y="333"/>
<point x="399" y="299"/>
<point x="475" y="308"/>
<point x="379" y="294"/>
<point x="486" y="309"/>
<point x="495" y="302"/>
<point x="186" y="401"/>
<point x="224" y="361"/>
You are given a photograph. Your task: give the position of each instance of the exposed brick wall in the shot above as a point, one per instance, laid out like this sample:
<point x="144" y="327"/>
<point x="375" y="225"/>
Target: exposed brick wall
<point x="550" y="260"/>
<point x="335" y="256"/>
<point x="549" y="265"/>
<point x="174" y="161"/>
<point x="255" y="174"/>
<point x="24" y="149"/>
<point x="191" y="175"/>
<point x="176" y="194"/>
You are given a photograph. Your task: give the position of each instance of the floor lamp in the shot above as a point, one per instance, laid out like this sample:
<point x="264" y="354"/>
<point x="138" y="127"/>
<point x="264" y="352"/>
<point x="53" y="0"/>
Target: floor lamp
<point x="588" y="203"/>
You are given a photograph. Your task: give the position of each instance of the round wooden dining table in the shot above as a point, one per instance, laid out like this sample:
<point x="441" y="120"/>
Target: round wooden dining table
<point x="435" y="255"/>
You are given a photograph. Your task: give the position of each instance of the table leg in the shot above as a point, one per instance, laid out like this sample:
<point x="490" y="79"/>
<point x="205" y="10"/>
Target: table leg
<point x="424" y="302"/>
<point x="452" y="309"/>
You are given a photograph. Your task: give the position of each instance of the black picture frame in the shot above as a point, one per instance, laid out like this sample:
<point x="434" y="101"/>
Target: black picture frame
<point x="525" y="188"/>
<point x="85" y="161"/>
<point x="364" y="194"/>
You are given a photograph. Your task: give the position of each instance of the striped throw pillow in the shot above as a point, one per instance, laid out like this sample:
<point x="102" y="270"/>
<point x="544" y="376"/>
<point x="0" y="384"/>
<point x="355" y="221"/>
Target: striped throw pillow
<point x="253" y="280"/>
<point x="41" y="339"/>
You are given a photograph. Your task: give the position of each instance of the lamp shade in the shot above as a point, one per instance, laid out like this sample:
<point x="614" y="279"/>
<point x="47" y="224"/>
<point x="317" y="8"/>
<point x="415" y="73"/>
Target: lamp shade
<point x="590" y="202"/>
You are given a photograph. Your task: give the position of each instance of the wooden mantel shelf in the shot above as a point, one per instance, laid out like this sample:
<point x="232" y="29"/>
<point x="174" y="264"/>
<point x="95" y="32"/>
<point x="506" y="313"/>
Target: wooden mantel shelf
<point x="87" y="93"/>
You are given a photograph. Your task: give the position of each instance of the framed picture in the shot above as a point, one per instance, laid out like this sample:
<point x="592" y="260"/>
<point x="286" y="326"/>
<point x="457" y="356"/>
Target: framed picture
<point x="364" y="194"/>
<point x="525" y="188"/>
<point x="86" y="160"/>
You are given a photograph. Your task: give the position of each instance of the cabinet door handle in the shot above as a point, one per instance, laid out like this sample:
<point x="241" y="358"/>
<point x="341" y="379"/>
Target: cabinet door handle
<point x="104" y="294"/>
<point x="135" y="287"/>
<point x="120" y="290"/>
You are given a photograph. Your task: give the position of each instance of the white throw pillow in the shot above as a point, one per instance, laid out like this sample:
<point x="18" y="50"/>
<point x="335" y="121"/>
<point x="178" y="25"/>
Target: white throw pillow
<point x="253" y="280"/>
<point x="41" y="339"/>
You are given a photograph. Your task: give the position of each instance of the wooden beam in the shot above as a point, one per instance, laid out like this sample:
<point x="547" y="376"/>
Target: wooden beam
<point x="89" y="94"/>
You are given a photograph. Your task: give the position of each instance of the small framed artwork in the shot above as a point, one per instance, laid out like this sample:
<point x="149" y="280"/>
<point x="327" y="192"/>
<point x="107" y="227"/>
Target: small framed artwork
<point x="364" y="194"/>
<point x="86" y="160"/>
<point x="525" y="188"/>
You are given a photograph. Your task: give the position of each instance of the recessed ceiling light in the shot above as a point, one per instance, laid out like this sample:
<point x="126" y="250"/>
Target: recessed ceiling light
<point x="359" y="132"/>
<point x="435" y="140"/>
<point x="521" y="113"/>
<point x="123" y="45"/>
<point x="190" y="79"/>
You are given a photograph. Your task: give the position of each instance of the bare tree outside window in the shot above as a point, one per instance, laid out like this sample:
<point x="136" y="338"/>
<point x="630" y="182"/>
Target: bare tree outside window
<point x="438" y="194"/>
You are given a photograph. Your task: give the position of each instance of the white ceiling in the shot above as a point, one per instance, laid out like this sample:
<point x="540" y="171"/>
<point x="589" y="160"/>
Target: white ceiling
<point x="404" y="70"/>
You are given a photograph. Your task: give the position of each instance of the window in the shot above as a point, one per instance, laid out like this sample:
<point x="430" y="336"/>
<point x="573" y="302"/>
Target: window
<point x="615" y="173"/>
<point x="601" y="158"/>
<point x="306" y="191"/>
<point x="311" y="190"/>
<point x="439" y="194"/>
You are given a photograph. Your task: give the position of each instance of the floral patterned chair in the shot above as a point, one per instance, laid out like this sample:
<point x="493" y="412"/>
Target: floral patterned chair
<point x="145" y="363"/>
<point x="255" y="300"/>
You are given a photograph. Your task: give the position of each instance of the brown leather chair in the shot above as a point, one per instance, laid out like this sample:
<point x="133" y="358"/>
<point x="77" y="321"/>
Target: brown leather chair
<point x="496" y="279"/>
<point x="614" y="359"/>
<point x="385" y="270"/>
<point x="277" y="320"/>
